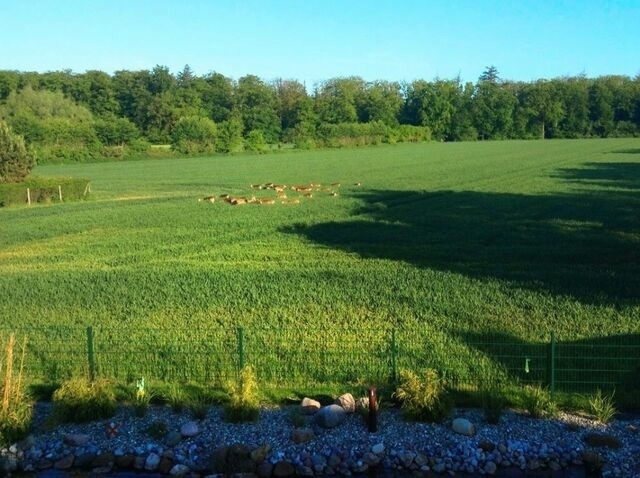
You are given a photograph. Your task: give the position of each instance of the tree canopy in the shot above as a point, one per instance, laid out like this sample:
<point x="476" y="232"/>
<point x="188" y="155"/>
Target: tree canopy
<point x="16" y="161"/>
<point x="67" y="115"/>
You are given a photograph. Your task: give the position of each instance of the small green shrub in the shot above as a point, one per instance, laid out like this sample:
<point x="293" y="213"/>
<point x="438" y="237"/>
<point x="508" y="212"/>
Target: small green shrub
<point x="176" y="398"/>
<point x="243" y="403"/>
<point x="16" y="161"/>
<point x="423" y="398"/>
<point x="492" y="397"/>
<point x="602" y="406"/>
<point x="78" y="400"/>
<point x="157" y="430"/>
<point x="15" y="407"/>
<point x="538" y="402"/>
<point x="199" y="408"/>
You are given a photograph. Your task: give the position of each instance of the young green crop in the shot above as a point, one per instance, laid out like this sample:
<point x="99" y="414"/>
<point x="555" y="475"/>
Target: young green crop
<point x="459" y="246"/>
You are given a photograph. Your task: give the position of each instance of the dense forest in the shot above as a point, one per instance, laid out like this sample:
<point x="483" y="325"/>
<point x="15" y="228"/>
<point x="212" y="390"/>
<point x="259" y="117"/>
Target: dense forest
<point x="77" y="116"/>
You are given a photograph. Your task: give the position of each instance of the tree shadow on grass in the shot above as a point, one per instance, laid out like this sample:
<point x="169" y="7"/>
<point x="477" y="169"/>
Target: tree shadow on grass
<point x="611" y="175"/>
<point x="583" y="245"/>
<point x="627" y="151"/>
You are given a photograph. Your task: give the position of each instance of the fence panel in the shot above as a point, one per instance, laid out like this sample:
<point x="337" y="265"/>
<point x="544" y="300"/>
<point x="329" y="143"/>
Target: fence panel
<point x="319" y="355"/>
<point x="606" y="363"/>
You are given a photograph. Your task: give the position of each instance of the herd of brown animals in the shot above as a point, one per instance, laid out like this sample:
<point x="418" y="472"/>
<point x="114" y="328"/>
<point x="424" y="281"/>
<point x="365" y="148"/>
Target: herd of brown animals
<point x="305" y="190"/>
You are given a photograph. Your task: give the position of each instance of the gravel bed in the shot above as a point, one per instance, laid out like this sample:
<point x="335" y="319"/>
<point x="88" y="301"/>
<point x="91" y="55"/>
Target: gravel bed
<point x="267" y="447"/>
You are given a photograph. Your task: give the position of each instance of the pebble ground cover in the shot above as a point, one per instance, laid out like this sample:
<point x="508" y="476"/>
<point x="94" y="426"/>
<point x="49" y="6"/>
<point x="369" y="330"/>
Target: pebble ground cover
<point x="454" y="245"/>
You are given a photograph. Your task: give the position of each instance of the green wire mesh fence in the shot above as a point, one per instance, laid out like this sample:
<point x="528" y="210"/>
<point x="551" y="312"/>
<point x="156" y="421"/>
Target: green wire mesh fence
<point x="305" y="356"/>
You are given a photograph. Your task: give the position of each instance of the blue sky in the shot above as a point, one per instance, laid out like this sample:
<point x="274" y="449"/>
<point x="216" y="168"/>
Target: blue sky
<point x="314" y="40"/>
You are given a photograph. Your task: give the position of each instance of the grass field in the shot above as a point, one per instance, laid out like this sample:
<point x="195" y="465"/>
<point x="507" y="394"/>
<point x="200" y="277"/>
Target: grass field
<point x="451" y="243"/>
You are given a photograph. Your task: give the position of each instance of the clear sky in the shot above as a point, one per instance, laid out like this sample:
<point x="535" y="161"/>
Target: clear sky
<point x="312" y="40"/>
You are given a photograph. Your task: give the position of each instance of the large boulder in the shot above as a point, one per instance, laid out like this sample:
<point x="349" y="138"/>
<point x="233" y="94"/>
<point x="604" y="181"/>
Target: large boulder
<point x="330" y="416"/>
<point x="347" y="402"/>
<point x="463" y="426"/>
<point x="189" y="429"/>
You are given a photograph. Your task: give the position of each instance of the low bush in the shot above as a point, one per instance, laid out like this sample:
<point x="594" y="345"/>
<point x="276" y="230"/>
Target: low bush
<point x="80" y="400"/>
<point x="602" y="406"/>
<point x="243" y="405"/>
<point x="44" y="190"/>
<point x="176" y="398"/>
<point x="492" y="396"/>
<point x="538" y="402"/>
<point x="493" y="403"/>
<point x="15" y="407"/>
<point x="199" y="407"/>
<point x="423" y="398"/>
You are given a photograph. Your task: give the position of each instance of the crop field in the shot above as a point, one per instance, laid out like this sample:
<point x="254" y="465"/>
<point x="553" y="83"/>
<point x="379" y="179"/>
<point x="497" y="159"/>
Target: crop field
<point x="425" y="255"/>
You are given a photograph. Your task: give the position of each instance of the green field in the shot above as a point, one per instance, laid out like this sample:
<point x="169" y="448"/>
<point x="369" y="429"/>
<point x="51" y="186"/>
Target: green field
<point x="453" y="244"/>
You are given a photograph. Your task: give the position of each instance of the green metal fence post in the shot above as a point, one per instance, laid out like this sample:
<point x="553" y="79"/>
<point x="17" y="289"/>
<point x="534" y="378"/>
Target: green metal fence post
<point x="552" y="363"/>
<point x="90" y="354"/>
<point x="240" y="348"/>
<point x="394" y="358"/>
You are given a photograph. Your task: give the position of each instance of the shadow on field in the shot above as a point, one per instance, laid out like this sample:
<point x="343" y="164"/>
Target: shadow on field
<point x="582" y="245"/>
<point x="610" y="363"/>
<point x="627" y="151"/>
<point x="617" y="175"/>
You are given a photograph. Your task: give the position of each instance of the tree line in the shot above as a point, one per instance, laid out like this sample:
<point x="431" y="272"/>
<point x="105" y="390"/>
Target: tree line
<point x="75" y="116"/>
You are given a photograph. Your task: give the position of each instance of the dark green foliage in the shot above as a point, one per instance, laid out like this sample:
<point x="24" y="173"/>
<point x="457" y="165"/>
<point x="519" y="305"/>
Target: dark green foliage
<point x="44" y="190"/>
<point x="176" y="398"/>
<point x="257" y="105"/>
<point x="16" y="161"/>
<point x="199" y="407"/>
<point x="493" y="402"/>
<point x="67" y="117"/>
<point x="423" y="397"/>
<point x="114" y="131"/>
<point x="193" y="135"/>
<point x="229" y="136"/>
<point x="79" y="400"/>
<point x="255" y="142"/>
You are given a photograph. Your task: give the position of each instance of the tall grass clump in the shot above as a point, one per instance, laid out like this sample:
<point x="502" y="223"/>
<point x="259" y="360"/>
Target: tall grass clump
<point x="15" y="408"/>
<point x="493" y="402"/>
<point x="602" y="406"/>
<point x="176" y="398"/>
<point x="538" y="402"/>
<point x="424" y="397"/>
<point x="243" y="403"/>
<point x="80" y="400"/>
